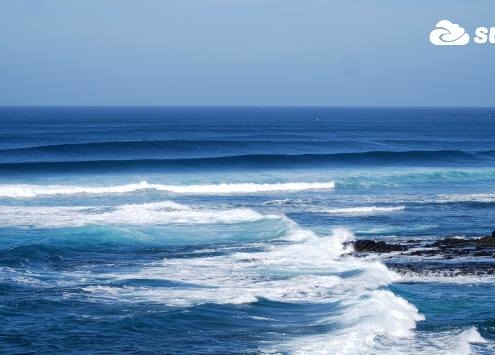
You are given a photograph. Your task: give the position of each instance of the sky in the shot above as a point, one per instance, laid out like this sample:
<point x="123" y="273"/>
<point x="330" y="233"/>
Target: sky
<point x="242" y="52"/>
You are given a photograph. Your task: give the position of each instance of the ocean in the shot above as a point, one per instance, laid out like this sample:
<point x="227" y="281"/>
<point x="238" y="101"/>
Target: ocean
<point x="230" y="230"/>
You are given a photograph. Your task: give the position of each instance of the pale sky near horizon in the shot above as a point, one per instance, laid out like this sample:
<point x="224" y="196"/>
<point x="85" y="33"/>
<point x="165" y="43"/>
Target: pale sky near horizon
<point x="242" y="52"/>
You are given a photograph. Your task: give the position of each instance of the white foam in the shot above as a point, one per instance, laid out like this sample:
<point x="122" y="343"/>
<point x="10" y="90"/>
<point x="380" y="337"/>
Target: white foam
<point x="377" y="314"/>
<point x="448" y="276"/>
<point x="451" y="342"/>
<point x="29" y="191"/>
<point x="364" y="210"/>
<point x="463" y="341"/>
<point x="160" y="213"/>
<point x="289" y="202"/>
<point x="450" y="198"/>
<point x="309" y="269"/>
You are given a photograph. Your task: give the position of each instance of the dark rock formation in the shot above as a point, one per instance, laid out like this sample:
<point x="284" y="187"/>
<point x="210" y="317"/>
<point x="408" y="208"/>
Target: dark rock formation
<point x="442" y="268"/>
<point x="446" y="248"/>
<point x="447" y="256"/>
<point x="486" y="242"/>
<point x="464" y="243"/>
<point x="454" y="243"/>
<point x="361" y="246"/>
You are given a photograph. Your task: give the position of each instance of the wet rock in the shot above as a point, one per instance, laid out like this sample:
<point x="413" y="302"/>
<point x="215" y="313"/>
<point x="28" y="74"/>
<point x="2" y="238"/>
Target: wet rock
<point x="486" y="242"/>
<point x="459" y="243"/>
<point x="444" y="267"/>
<point x="361" y="246"/>
<point x="444" y="249"/>
<point x="453" y="243"/>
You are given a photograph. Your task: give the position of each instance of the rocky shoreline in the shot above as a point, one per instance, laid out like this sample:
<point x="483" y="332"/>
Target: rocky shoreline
<point x="450" y="255"/>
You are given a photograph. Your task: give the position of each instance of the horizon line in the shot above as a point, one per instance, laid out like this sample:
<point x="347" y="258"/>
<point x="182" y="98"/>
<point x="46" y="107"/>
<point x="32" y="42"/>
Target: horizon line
<point x="249" y="106"/>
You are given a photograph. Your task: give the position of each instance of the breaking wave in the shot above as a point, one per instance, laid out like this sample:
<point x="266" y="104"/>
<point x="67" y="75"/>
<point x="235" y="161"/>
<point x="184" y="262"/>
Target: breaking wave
<point x="158" y="213"/>
<point x="27" y="191"/>
<point x="308" y="269"/>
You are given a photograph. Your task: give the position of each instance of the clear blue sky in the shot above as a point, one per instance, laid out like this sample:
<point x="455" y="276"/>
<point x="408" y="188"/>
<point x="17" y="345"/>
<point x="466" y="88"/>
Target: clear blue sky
<point x="242" y="52"/>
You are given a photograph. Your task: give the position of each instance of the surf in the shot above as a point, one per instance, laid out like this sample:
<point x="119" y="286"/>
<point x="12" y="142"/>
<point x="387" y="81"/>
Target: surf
<point x="158" y="213"/>
<point x="27" y="191"/>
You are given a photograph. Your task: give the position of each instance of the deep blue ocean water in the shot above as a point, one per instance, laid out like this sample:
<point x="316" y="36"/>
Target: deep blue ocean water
<point x="223" y="230"/>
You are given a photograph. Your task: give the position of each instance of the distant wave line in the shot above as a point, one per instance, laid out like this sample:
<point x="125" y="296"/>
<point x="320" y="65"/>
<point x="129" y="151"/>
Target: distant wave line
<point x="261" y="160"/>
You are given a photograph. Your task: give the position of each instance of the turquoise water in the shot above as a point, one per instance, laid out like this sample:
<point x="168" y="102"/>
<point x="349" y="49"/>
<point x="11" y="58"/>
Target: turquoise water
<point x="223" y="230"/>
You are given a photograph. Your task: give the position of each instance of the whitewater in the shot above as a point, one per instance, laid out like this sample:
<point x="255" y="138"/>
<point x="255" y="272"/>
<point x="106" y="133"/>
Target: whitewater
<point x="20" y="191"/>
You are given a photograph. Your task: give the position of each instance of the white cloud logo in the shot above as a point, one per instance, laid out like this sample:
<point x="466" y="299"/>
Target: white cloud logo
<point x="447" y="33"/>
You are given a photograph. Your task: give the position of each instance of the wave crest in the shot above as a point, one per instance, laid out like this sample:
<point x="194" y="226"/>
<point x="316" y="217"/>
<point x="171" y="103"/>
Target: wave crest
<point x="29" y="191"/>
<point x="390" y="158"/>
